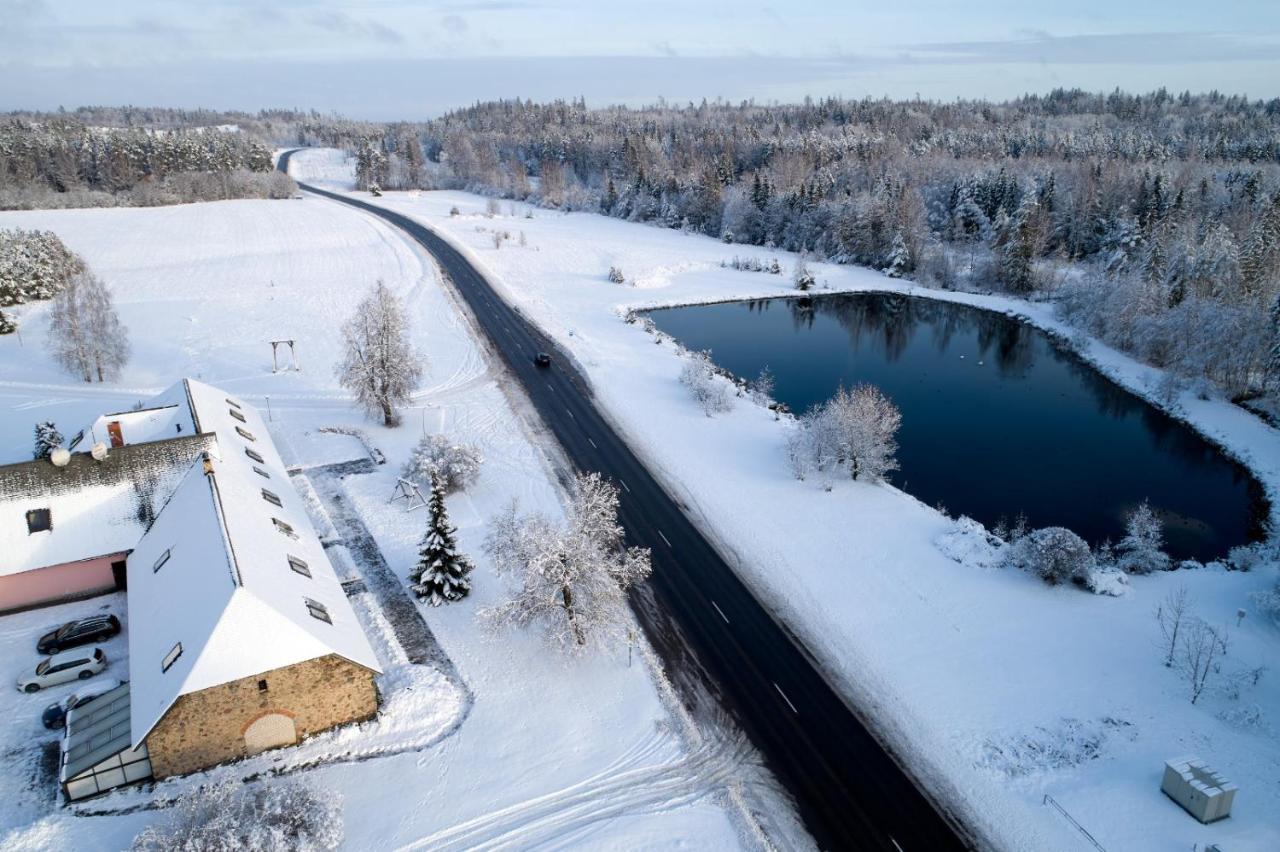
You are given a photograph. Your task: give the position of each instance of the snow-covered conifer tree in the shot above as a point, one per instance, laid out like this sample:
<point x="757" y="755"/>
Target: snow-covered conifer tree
<point x="571" y="578"/>
<point x="801" y="277"/>
<point x="380" y="366"/>
<point x="1141" y="551"/>
<point x="85" y="333"/>
<point x="48" y="439"/>
<point x="441" y="573"/>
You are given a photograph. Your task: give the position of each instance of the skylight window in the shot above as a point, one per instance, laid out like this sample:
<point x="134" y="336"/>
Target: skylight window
<point x="164" y="557"/>
<point x="261" y="472"/>
<point x="237" y="415"/>
<point x="245" y="433"/>
<point x="171" y="657"/>
<point x="318" y="611"/>
<point x="254" y="454"/>
<point x="271" y="497"/>
<point x="284" y="528"/>
<point x="299" y="566"/>
<point x="39" y="520"/>
<point x="231" y="402"/>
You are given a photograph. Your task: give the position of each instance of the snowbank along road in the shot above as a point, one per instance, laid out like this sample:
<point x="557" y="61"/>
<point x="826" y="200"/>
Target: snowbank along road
<point x="849" y="791"/>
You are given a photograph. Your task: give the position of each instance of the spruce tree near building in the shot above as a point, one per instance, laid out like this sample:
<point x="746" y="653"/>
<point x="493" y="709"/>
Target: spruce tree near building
<point x="441" y="573"/>
<point x="48" y="439"/>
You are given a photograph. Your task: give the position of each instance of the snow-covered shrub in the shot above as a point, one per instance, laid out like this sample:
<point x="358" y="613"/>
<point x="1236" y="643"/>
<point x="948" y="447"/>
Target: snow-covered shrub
<point x="801" y="278"/>
<point x="616" y="275"/>
<point x="854" y="431"/>
<point x="1107" y="580"/>
<point x="1054" y="554"/>
<point x="269" y="816"/>
<point x="47" y="439"/>
<point x="1249" y="557"/>
<point x="1068" y="743"/>
<point x="454" y="465"/>
<point x="8" y="325"/>
<point x="968" y="542"/>
<point x="34" y="265"/>
<point x="1141" y="551"/>
<point x="1250" y="717"/>
<point x="1267" y="602"/>
<point x="454" y="211"/>
<point x="709" y="389"/>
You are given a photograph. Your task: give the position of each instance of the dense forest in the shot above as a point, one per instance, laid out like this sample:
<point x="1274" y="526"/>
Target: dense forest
<point x="1153" y="220"/>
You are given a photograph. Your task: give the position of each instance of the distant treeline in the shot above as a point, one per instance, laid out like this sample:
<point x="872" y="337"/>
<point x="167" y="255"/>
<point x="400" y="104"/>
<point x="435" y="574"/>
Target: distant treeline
<point x="1154" y="219"/>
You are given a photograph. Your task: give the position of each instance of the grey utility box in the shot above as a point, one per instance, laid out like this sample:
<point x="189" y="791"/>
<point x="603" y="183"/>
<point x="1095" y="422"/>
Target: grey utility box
<point x="1203" y="793"/>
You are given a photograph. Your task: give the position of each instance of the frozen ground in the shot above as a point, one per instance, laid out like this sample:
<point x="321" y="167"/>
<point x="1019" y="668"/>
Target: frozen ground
<point x="541" y="752"/>
<point x="996" y="685"/>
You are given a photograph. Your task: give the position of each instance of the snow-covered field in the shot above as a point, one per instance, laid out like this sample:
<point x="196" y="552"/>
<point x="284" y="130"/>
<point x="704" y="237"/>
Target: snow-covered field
<point x="1002" y="690"/>
<point x="585" y="753"/>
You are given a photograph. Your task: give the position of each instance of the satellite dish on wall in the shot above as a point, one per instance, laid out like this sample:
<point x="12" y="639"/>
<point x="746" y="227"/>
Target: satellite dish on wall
<point x="99" y="451"/>
<point x="60" y="456"/>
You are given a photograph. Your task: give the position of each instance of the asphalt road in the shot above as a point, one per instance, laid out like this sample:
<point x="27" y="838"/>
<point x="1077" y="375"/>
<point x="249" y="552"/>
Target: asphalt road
<point x="849" y="791"/>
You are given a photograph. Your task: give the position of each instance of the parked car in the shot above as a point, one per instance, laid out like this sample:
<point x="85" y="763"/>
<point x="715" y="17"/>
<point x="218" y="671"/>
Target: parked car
<point x="82" y="631"/>
<point x="60" y="668"/>
<point x="542" y="359"/>
<point x="55" y="715"/>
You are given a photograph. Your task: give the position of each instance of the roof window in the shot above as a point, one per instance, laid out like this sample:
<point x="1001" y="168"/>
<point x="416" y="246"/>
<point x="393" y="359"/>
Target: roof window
<point x="299" y="567"/>
<point x="245" y="433"/>
<point x="318" y="611"/>
<point x="254" y="454"/>
<point x="39" y="520"/>
<point x="170" y="658"/>
<point x="164" y="557"/>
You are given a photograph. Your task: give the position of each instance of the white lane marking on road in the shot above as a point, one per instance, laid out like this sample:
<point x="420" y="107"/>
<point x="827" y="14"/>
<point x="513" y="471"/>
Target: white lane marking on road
<point x="895" y="845"/>
<point x="786" y="699"/>
<point x="624" y="484"/>
<point x="664" y="538"/>
<point x="722" y="615"/>
<point x="570" y="414"/>
<point x="592" y="443"/>
<point x="553" y="390"/>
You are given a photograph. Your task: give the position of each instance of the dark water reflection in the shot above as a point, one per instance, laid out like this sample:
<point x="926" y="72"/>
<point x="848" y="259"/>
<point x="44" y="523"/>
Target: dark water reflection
<point x="996" y="419"/>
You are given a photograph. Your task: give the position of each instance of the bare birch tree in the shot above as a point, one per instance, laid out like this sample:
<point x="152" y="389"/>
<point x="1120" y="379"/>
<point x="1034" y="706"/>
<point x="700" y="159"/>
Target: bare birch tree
<point x="570" y="578"/>
<point x="1171" y="615"/>
<point x="85" y="333"/>
<point x="380" y="366"/>
<point x="1203" y="647"/>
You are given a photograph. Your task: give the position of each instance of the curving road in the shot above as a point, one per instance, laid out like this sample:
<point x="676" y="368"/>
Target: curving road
<point x="849" y="791"/>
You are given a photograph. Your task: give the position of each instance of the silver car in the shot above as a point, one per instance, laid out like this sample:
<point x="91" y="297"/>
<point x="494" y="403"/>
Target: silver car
<point x="80" y="663"/>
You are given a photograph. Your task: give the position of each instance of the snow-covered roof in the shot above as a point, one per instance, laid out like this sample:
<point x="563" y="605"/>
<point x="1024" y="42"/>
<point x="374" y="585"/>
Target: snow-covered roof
<point x="96" y="508"/>
<point x="166" y="416"/>
<point x="221" y="578"/>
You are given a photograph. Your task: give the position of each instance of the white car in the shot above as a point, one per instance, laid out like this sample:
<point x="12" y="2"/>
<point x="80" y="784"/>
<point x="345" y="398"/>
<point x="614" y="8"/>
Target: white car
<point x="82" y="663"/>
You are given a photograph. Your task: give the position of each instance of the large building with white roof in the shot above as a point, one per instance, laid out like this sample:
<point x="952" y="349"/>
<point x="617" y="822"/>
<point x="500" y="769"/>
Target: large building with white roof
<point x="240" y="635"/>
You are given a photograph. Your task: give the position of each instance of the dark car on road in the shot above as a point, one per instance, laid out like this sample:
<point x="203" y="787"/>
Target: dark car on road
<point x="542" y="359"/>
<point x="82" y="631"/>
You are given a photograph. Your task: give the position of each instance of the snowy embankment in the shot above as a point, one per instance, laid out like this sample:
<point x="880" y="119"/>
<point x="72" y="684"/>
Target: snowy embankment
<point x="999" y="689"/>
<point x="583" y="750"/>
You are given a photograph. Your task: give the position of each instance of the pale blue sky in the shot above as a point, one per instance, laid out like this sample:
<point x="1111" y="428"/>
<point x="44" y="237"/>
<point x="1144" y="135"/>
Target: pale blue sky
<point x="394" y="59"/>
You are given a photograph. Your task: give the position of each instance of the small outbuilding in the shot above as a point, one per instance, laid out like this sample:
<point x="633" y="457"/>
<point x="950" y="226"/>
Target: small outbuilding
<point x="1203" y="793"/>
<point x="97" y="753"/>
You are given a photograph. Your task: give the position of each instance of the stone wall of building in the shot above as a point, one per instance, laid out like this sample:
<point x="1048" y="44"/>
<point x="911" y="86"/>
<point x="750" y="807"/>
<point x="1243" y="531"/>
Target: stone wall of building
<point x="208" y="727"/>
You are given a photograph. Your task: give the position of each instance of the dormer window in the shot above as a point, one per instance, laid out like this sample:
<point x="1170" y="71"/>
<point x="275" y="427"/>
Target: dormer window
<point x="271" y="497"/>
<point x="39" y="520"/>
<point x="318" y="611"/>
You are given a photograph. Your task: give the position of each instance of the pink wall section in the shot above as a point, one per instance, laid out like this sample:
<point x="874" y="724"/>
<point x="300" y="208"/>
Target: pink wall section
<point x="58" y="582"/>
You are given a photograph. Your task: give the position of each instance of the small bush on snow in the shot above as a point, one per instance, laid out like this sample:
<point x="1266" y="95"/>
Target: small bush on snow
<point x="616" y="275"/>
<point x="968" y="542"/>
<point x="709" y="389"/>
<point x="456" y="465"/>
<point x="270" y="816"/>
<point x="1054" y="554"/>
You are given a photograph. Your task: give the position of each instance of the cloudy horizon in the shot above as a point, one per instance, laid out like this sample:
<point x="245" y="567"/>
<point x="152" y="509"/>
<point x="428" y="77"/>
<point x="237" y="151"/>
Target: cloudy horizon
<point x="385" y="59"/>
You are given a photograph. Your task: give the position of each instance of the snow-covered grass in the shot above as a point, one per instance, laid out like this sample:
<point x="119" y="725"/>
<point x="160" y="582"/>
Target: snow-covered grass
<point x="1000" y="689"/>
<point x="584" y="752"/>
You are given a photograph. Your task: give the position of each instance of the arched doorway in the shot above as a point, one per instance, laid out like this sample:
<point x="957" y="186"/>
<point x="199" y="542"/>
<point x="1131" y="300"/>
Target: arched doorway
<point x="269" y="731"/>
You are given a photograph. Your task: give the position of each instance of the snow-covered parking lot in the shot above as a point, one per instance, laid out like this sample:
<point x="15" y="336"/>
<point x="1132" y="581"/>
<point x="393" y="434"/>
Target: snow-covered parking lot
<point x="1003" y="691"/>
<point x="585" y="753"/>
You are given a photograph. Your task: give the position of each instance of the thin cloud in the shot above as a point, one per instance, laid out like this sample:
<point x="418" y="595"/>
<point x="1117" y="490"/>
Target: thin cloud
<point x="1121" y="48"/>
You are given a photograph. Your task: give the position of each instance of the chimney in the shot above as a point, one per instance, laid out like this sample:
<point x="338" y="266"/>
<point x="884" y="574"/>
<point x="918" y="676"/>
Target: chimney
<point x="208" y="464"/>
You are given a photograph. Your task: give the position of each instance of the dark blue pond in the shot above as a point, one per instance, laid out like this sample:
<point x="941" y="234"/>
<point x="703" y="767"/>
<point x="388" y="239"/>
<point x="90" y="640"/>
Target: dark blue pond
<point x="997" y="420"/>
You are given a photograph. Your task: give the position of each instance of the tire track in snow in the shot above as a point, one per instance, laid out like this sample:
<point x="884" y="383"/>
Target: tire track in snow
<point x="633" y="784"/>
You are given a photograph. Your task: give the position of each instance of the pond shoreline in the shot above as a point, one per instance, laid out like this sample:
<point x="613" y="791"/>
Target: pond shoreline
<point x="1072" y="344"/>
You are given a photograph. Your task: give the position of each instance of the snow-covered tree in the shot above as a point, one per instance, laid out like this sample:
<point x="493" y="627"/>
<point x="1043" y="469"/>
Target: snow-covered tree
<point x="34" y="265"/>
<point x="441" y="573"/>
<point x="48" y="439"/>
<point x="1141" y="551"/>
<point x="8" y="325"/>
<point x="899" y="260"/>
<point x="275" y="815"/>
<point x="570" y="578"/>
<point x="761" y="387"/>
<point x="85" y="333"/>
<point x="855" y="431"/>
<point x="380" y="365"/>
<point x="1171" y="615"/>
<point x="616" y="275"/>
<point x="1202" y="648"/>
<point x="709" y="389"/>
<point x="451" y="464"/>
<point x="801" y="278"/>
<point x="1054" y="554"/>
